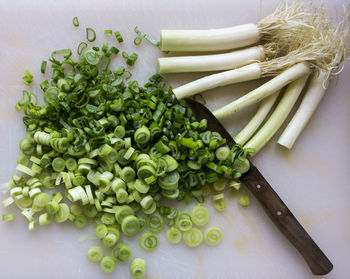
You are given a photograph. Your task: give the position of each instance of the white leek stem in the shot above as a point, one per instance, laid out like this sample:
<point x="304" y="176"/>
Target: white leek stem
<point x="280" y="114"/>
<point x="270" y="87"/>
<point x="249" y="72"/>
<point x="213" y="62"/>
<point x="209" y="40"/>
<point x="256" y="120"/>
<point x="311" y="100"/>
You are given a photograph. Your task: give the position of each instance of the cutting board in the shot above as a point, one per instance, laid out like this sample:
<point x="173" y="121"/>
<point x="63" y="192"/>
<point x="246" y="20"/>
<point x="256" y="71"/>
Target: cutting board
<point x="312" y="179"/>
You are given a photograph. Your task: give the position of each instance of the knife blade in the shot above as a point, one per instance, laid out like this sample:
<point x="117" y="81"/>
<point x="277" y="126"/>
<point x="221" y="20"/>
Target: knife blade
<point x="274" y="207"/>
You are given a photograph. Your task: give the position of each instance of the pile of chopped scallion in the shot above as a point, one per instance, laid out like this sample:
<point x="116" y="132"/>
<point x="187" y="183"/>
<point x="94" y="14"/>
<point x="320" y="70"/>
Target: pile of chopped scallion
<point x="106" y="150"/>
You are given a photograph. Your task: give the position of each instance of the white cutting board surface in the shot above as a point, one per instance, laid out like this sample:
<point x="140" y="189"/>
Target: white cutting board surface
<point x="313" y="179"/>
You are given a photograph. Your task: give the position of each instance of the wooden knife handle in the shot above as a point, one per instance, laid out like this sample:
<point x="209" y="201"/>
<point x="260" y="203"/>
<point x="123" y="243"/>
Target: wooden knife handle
<point x="285" y="221"/>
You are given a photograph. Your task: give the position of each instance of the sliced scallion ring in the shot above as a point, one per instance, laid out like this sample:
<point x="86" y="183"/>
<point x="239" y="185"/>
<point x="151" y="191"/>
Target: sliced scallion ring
<point x="193" y="237"/>
<point x="107" y="264"/>
<point x="130" y="225"/>
<point x="154" y="222"/>
<point x="173" y="235"/>
<point x="213" y="236"/>
<point x="95" y="254"/>
<point x="121" y="252"/>
<point x="138" y="268"/>
<point x="148" y="241"/>
<point x="90" y="34"/>
<point x="200" y="215"/>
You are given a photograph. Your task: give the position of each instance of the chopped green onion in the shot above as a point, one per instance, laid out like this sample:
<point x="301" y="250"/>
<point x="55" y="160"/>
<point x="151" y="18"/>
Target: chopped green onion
<point x="244" y="201"/>
<point x="71" y="164"/>
<point x="121" y="252"/>
<point x="131" y="59"/>
<point x="101" y="231"/>
<point x="44" y="219"/>
<point x="81" y="47"/>
<point x="220" y="205"/>
<point x="193" y="237"/>
<point x="80" y="221"/>
<point x="130" y="225"/>
<point x="107" y="264"/>
<point x="41" y="200"/>
<point x="138" y="268"/>
<point x="8" y="217"/>
<point x="222" y="153"/>
<point x="108" y="32"/>
<point x="27" y="146"/>
<point x="123" y="211"/>
<point x="95" y="254"/>
<point x="117" y="150"/>
<point x="213" y="236"/>
<point x="146" y="202"/>
<point x="75" y="21"/>
<point x="27" y="78"/>
<point x="110" y="239"/>
<point x="52" y="207"/>
<point x="235" y="184"/>
<point x="25" y="170"/>
<point x="58" y="164"/>
<point x="76" y="210"/>
<point x="183" y="221"/>
<point x="173" y="235"/>
<point x="218" y="197"/>
<point x="43" y="67"/>
<point x="142" y="135"/>
<point x="148" y="241"/>
<point x="31" y="226"/>
<point x="62" y="214"/>
<point x="200" y="215"/>
<point x="154" y="222"/>
<point x="92" y="57"/>
<point x="147" y="37"/>
<point x="8" y="201"/>
<point x="137" y="41"/>
<point x="118" y="36"/>
<point x="220" y="184"/>
<point x="90" y="34"/>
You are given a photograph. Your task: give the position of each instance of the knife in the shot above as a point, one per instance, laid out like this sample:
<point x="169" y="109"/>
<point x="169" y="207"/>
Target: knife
<point x="274" y="207"/>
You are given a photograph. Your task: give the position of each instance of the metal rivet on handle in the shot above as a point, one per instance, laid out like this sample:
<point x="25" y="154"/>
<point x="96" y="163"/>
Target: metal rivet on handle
<point x="279" y="213"/>
<point x="258" y="186"/>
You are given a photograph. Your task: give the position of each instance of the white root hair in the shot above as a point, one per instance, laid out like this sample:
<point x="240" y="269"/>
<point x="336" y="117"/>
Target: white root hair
<point x="297" y="32"/>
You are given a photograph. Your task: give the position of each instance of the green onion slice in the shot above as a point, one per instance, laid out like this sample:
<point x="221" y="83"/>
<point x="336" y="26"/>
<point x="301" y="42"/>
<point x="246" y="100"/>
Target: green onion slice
<point x="90" y="34"/>
<point x="62" y="214"/>
<point x="137" y="41"/>
<point x="200" y="215"/>
<point x="148" y="241"/>
<point x="213" y="236"/>
<point x="118" y="36"/>
<point x="173" y="235"/>
<point x="193" y="237"/>
<point x="138" y="268"/>
<point x="81" y="47"/>
<point x="95" y="254"/>
<point x="154" y="222"/>
<point x="107" y="264"/>
<point x="220" y="205"/>
<point x="130" y="225"/>
<point x="75" y="21"/>
<point x="121" y="252"/>
<point x="8" y="217"/>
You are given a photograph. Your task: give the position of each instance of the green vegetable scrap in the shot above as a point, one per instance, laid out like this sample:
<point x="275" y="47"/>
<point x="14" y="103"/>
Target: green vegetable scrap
<point x="27" y="78"/>
<point x="75" y="21"/>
